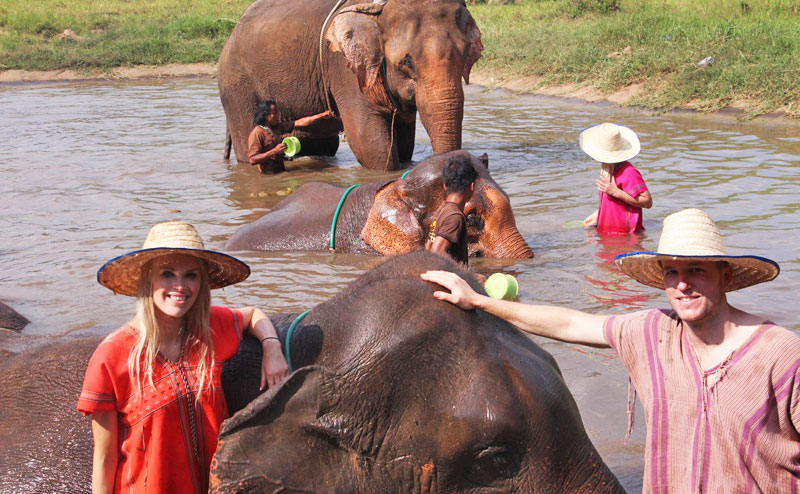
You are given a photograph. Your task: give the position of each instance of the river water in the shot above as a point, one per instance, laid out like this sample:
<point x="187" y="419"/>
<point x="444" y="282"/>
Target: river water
<point x="87" y="167"/>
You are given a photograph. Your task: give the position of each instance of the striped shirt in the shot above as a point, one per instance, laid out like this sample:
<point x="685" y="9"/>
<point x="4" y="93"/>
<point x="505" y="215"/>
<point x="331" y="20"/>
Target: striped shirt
<point x="733" y="428"/>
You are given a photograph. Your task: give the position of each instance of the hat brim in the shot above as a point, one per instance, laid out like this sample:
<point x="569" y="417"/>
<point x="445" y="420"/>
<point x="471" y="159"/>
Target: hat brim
<point x="121" y="274"/>
<point x="644" y="267"/>
<point x="633" y="147"/>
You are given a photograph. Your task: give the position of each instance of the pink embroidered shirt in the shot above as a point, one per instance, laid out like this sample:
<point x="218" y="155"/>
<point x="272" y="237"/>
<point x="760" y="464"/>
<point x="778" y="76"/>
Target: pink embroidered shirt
<point x="733" y="428"/>
<point x="615" y="216"/>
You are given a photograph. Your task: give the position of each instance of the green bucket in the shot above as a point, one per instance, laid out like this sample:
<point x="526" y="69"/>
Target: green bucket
<point x="502" y="286"/>
<point x="292" y="145"/>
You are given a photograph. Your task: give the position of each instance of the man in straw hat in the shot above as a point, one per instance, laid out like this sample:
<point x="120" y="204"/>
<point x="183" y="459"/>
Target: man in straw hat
<point x="720" y="387"/>
<point x="153" y="386"/>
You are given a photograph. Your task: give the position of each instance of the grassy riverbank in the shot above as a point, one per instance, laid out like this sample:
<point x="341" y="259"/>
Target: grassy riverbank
<point x="650" y="47"/>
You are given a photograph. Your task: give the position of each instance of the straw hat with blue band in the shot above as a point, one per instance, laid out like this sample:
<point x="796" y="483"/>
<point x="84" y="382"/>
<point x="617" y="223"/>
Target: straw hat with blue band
<point x="121" y="274"/>
<point x="691" y="235"/>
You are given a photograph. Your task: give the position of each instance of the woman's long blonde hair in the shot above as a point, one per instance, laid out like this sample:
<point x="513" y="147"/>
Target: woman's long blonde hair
<point x="148" y="334"/>
<point x="607" y="170"/>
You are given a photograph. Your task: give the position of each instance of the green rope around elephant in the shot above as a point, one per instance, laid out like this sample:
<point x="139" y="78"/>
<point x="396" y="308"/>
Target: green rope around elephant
<point x="403" y="176"/>
<point x="332" y="245"/>
<point x="286" y="352"/>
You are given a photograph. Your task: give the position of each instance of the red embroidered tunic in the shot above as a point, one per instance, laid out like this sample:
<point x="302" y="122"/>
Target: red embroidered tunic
<point x="166" y="437"/>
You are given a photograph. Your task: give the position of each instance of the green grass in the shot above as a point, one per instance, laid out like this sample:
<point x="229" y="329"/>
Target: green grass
<point x="113" y="32"/>
<point x="755" y="44"/>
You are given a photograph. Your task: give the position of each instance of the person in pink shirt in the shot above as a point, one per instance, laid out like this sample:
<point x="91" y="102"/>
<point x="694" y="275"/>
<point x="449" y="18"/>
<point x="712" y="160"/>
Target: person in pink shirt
<point x="720" y="387"/>
<point x="623" y="192"/>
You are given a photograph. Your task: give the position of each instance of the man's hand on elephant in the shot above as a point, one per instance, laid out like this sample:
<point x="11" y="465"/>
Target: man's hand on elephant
<point x="329" y="114"/>
<point x="274" y="368"/>
<point x="461" y="294"/>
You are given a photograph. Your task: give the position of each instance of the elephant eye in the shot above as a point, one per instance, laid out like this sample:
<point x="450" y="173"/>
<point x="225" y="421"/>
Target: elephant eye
<point x="407" y="62"/>
<point x="491" y="465"/>
<point x="474" y="220"/>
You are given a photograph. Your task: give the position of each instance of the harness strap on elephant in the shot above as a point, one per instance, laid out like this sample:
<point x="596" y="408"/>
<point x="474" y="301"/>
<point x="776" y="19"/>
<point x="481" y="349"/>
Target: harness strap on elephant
<point x="332" y="245"/>
<point x="287" y="351"/>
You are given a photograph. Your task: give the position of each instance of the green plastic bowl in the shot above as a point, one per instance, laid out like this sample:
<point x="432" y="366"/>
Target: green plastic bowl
<point x="292" y="145"/>
<point x="501" y="286"/>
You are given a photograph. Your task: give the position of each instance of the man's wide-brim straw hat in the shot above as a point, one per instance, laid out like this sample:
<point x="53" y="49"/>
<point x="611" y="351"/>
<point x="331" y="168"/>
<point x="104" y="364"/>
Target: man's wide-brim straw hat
<point x="610" y="143"/>
<point x="691" y="235"/>
<point x="122" y="273"/>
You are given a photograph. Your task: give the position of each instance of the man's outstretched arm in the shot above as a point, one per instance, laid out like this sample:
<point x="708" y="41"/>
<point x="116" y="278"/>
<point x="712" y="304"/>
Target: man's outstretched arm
<point x="558" y="323"/>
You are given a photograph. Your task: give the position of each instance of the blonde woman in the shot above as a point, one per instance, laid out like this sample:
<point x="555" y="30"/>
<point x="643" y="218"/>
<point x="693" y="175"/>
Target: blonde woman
<point x="153" y="386"/>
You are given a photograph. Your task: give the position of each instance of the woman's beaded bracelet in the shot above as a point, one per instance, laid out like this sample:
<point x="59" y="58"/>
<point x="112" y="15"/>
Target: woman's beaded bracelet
<point x="269" y="338"/>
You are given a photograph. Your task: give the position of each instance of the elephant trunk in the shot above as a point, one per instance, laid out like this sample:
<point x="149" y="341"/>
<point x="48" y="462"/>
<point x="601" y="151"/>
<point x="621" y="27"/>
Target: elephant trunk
<point x="441" y="109"/>
<point x="510" y="246"/>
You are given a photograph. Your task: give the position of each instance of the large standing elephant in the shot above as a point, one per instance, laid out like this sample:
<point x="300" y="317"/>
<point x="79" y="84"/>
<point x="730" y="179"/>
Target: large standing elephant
<point x="390" y="217"/>
<point x="398" y="392"/>
<point x="380" y="63"/>
<point x="393" y="392"/>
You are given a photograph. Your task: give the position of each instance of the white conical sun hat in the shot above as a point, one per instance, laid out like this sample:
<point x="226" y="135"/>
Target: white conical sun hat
<point x="610" y="143"/>
<point x="691" y="235"/>
<point x="121" y="274"/>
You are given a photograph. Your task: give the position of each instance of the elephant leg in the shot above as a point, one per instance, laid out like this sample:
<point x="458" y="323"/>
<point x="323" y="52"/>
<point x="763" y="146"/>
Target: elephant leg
<point x="239" y="112"/>
<point x="404" y="136"/>
<point x="368" y="132"/>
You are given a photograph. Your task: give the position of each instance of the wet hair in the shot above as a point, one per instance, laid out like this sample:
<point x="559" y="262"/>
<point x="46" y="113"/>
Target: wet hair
<point x="263" y="110"/>
<point x="458" y="175"/>
<point x="196" y="324"/>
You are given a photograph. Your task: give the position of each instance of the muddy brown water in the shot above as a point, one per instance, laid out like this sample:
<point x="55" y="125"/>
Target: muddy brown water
<point x="86" y="168"/>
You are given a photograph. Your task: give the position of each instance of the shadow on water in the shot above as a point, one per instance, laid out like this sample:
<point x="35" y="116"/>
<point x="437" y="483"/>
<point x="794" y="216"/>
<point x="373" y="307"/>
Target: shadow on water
<point x="88" y="167"/>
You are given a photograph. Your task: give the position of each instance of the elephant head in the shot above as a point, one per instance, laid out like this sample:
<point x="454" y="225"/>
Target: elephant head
<point x="408" y="394"/>
<point x="403" y="210"/>
<point x="410" y="55"/>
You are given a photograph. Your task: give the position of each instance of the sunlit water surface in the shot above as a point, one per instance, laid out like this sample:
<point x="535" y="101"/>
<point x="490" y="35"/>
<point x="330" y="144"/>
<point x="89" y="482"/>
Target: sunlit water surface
<point x="88" y="167"/>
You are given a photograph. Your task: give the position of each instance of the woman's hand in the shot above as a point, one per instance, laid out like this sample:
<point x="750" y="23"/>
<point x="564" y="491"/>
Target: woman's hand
<point x="274" y="368"/>
<point x="608" y="186"/>
<point x="591" y="220"/>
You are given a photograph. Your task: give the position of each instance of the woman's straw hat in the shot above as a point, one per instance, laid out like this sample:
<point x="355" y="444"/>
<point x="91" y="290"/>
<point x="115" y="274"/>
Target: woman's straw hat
<point x="610" y="143"/>
<point x="122" y="273"/>
<point x="691" y="235"/>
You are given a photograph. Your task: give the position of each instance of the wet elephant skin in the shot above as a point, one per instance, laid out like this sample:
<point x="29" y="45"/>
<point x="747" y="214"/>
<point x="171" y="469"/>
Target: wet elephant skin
<point x="388" y="218"/>
<point x="397" y="392"/>
<point x="379" y="63"/>
<point x="407" y="394"/>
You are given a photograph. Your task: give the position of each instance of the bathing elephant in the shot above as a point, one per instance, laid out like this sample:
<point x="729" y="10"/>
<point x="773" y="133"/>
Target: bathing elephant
<point x="393" y="391"/>
<point x="376" y="65"/>
<point x="397" y="392"/>
<point x="390" y="217"/>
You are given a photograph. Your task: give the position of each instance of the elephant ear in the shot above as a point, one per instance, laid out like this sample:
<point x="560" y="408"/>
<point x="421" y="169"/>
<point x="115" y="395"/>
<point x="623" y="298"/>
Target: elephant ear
<point x="391" y="226"/>
<point x="355" y="33"/>
<point x="277" y="440"/>
<point x="475" y="49"/>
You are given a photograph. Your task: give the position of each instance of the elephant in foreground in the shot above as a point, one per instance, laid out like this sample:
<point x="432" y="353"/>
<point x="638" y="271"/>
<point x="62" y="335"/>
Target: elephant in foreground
<point x="397" y="392"/>
<point x="393" y="392"/>
<point x="390" y="217"/>
<point x="375" y="64"/>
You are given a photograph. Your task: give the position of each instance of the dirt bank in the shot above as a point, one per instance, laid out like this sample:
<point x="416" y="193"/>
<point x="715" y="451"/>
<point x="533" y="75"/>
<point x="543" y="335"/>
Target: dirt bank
<point x="482" y="78"/>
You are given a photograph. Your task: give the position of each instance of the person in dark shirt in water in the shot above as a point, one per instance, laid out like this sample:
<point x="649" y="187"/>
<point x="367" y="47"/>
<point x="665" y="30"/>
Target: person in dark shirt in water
<point x="449" y="230"/>
<point x="265" y="145"/>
